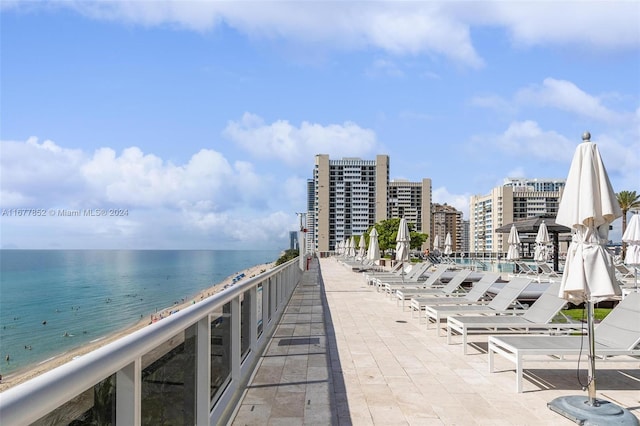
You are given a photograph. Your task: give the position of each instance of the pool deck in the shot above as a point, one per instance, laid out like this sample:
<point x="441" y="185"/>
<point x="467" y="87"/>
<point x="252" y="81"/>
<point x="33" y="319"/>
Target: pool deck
<point x="344" y="354"/>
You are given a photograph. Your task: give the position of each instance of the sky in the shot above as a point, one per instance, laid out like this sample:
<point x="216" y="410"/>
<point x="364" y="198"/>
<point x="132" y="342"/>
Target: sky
<point x="194" y="124"/>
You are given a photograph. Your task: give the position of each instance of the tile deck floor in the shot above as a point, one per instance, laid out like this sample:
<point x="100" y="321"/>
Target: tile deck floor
<point x="344" y="354"/>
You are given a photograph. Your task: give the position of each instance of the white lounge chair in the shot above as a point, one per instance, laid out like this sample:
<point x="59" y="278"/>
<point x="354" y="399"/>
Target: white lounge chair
<point x="452" y="287"/>
<point x="414" y="279"/>
<point x="478" y="290"/>
<point x="623" y="272"/>
<point x="547" y="271"/>
<point x="536" y="319"/>
<point x="617" y="334"/>
<point x="395" y="271"/>
<point x="500" y="304"/>
<point x="525" y="269"/>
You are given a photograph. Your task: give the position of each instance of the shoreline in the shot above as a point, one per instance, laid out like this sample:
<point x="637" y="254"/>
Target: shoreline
<point x="36" y="369"/>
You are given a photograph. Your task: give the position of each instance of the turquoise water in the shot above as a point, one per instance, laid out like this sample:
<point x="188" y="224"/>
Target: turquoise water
<point x="52" y="301"/>
<point x="489" y="265"/>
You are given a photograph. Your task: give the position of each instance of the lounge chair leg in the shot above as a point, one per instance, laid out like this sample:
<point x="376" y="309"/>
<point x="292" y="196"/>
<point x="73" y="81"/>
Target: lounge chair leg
<point x="490" y="351"/>
<point x="519" y="374"/>
<point x="464" y="341"/>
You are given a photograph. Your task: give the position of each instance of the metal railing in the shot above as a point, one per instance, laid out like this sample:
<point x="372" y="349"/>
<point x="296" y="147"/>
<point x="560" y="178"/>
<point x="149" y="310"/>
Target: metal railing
<point x="188" y="368"/>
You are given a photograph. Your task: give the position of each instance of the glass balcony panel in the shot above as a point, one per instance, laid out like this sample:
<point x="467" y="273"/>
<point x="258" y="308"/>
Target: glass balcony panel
<point x="96" y="405"/>
<point x="220" y="351"/>
<point x="168" y="381"/>
<point x="245" y="323"/>
<point x="259" y="308"/>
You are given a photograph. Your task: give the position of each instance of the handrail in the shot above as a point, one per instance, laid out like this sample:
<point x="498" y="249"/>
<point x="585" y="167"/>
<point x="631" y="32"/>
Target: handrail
<point x="35" y="398"/>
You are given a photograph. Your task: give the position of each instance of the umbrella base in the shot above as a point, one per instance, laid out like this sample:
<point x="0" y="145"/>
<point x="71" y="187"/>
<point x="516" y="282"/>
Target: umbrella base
<point x="576" y="409"/>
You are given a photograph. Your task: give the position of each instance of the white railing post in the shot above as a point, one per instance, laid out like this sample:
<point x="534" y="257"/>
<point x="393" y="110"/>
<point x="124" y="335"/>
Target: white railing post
<point x="236" y="355"/>
<point x="253" y="317"/>
<point x="203" y="370"/>
<point x="128" y="394"/>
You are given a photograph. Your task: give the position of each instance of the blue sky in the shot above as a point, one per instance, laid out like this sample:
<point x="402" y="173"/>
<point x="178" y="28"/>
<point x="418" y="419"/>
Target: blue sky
<point x="202" y="119"/>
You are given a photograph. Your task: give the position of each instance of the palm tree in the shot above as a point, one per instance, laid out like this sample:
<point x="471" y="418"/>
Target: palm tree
<point x="628" y="200"/>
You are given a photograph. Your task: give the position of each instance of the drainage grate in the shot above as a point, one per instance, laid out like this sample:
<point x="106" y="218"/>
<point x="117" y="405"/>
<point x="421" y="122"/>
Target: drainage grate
<point x="299" y="341"/>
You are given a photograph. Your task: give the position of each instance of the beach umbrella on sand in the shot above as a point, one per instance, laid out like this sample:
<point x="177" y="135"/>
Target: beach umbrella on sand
<point x="373" y="252"/>
<point x="447" y="244"/>
<point x="631" y="236"/>
<point x="513" y="252"/>
<point x="361" y="247"/>
<point x="541" y="253"/>
<point x="588" y="206"/>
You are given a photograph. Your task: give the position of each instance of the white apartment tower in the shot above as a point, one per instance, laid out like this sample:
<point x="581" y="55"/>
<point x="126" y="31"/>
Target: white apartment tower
<point x="515" y="200"/>
<point x="413" y="201"/>
<point x="350" y="195"/>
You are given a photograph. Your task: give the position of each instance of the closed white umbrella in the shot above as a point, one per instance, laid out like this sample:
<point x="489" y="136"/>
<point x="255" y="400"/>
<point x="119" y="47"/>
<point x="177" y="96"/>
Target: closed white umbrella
<point x="541" y="253"/>
<point x="362" y="247"/>
<point x="447" y="244"/>
<point x="631" y="236"/>
<point x="352" y="247"/>
<point x="373" y="252"/>
<point x="513" y="252"/>
<point x="403" y="239"/>
<point x="588" y="205"/>
<point x="436" y="244"/>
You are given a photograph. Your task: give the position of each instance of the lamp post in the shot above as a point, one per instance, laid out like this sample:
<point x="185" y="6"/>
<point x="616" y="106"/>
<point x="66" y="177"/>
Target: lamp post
<point x="301" y="241"/>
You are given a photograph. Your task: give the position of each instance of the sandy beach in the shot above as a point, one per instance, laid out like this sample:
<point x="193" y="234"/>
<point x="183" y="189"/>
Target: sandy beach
<point x="32" y="371"/>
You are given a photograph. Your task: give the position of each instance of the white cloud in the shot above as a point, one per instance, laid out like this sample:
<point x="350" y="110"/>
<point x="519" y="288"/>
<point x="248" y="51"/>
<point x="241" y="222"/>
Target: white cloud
<point x="460" y="201"/>
<point x="566" y="96"/>
<point x="33" y="172"/>
<point x="200" y="204"/>
<point x="296" y="145"/>
<point x="398" y="28"/>
<point x="594" y="24"/>
<point x="527" y="138"/>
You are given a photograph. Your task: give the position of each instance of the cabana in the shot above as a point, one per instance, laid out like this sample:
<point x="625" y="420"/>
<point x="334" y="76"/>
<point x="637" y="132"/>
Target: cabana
<point x="531" y="225"/>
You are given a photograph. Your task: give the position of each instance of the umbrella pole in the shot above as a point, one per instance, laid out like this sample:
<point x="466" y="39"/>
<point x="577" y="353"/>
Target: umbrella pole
<point x="589" y="410"/>
<point x="591" y="386"/>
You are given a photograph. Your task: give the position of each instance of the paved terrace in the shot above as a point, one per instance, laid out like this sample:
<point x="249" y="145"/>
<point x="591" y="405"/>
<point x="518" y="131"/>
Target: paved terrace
<point x="344" y="354"/>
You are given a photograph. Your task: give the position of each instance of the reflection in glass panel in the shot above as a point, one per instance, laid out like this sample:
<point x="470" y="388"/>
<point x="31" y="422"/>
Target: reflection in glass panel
<point x="220" y="350"/>
<point x="259" y="308"/>
<point x="95" y="406"/>
<point x="169" y="381"/>
<point x="245" y="323"/>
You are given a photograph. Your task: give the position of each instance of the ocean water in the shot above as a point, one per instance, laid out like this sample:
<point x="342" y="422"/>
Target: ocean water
<point x="52" y="301"/>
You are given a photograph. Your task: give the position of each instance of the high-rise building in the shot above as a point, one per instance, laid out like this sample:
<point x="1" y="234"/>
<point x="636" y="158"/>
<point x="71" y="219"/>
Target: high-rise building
<point x="540" y="185"/>
<point x="446" y="219"/>
<point x="411" y="200"/>
<point x="515" y="200"/>
<point x="310" y="219"/>
<point x="350" y="195"/>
